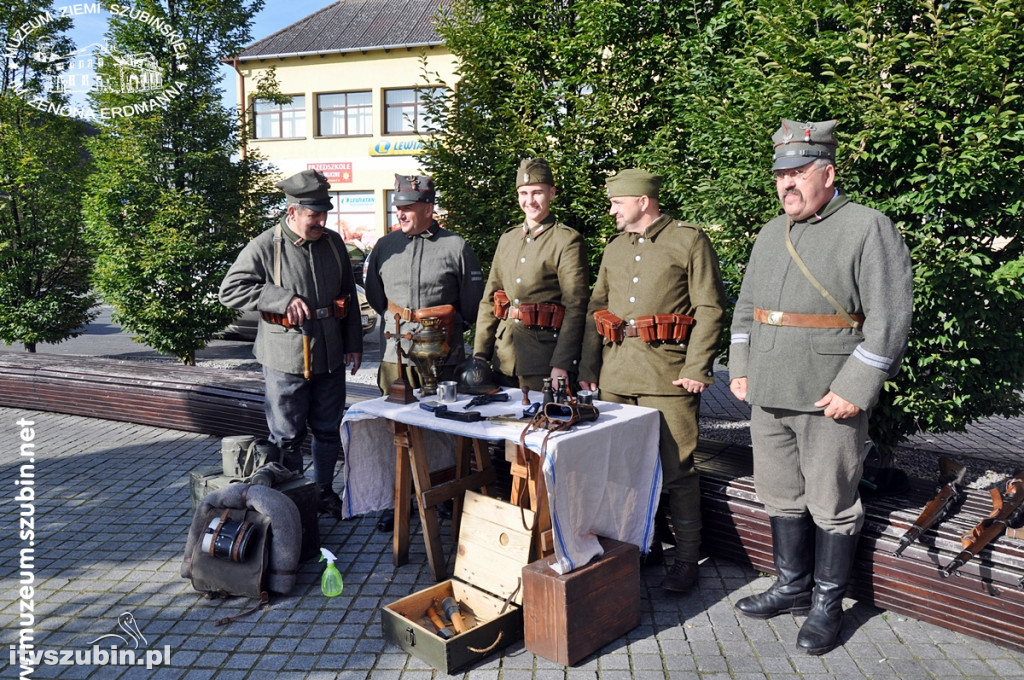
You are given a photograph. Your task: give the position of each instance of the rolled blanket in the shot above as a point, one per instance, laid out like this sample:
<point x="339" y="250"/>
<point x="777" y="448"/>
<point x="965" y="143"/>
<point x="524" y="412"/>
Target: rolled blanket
<point x="285" y="526"/>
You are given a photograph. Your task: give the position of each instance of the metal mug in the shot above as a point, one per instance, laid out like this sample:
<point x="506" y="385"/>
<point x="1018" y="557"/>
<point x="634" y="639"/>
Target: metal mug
<point x="447" y="391"/>
<point x="585" y="397"/>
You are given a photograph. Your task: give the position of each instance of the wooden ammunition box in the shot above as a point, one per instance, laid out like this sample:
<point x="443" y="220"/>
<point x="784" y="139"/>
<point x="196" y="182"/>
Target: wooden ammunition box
<point x="493" y="547"/>
<point x="568" y="616"/>
<point x="302" y="490"/>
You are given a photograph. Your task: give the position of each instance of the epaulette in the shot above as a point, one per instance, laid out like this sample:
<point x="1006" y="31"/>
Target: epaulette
<point x="691" y="225"/>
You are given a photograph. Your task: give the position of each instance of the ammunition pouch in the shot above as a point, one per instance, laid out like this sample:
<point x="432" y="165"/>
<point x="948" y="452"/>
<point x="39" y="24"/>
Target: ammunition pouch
<point x="609" y="326"/>
<point x="547" y="316"/>
<point x="501" y="304"/>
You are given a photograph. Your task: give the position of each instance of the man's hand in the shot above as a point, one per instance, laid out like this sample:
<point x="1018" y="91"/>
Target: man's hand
<point x="691" y="386"/>
<point x="557" y="373"/>
<point x="836" y="407"/>
<point x="592" y="386"/>
<point x="355" y="360"/>
<point x="738" y="387"/>
<point x="297" y="311"/>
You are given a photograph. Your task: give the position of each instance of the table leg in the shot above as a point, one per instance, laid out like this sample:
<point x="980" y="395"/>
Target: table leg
<point x="417" y="460"/>
<point x="403" y="489"/>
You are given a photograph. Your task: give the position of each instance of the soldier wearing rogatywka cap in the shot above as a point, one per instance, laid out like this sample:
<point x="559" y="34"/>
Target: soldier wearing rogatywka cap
<point x="299" y="276"/>
<point x="420" y="266"/>
<point x="652" y="331"/>
<point x="530" y="323"/>
<point x="820" y="324"/>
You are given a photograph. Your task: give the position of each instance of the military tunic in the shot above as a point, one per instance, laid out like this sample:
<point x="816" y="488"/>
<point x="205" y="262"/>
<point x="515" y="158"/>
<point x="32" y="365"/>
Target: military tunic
<point x="309" y="269"/>
<point x="669" y="268"/>
<point x="436" y="267"/>
<point x="803" y="461"/>
<point x="545" y="264"/>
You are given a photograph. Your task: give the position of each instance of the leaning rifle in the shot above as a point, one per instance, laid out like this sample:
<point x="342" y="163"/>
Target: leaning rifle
<point x="1006" y="510"/>
<point x="949" y="494"/>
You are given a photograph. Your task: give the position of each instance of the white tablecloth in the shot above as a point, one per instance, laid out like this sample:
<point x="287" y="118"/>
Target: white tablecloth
<point x="603" y="478"/>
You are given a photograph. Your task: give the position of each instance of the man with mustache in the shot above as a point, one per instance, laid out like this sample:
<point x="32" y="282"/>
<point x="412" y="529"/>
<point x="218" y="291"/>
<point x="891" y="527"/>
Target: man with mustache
<point x="820" y="324"/>
<point x="300" y="276"/>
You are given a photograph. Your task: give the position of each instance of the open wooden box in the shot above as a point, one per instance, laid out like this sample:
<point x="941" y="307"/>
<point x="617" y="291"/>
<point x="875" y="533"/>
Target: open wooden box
<point x="493" y="548"/>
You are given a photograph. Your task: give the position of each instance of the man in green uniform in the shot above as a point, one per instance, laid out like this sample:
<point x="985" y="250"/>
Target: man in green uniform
<point x="419" y="270"/>
<point x="820" y="324"/>
<point x="300" y="275"/>
<point x="652" y="330"/>
<point x="535" y="302"/>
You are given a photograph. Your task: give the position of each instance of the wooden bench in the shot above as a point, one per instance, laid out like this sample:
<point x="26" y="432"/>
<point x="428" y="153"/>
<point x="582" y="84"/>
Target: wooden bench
<point x="213" y="401"/>
<point x="983" y="601"/>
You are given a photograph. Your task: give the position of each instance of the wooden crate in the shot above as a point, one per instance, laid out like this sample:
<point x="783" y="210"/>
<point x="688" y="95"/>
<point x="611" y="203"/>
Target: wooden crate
<point x="568" y="616"/>
<point x="493" y="547"/>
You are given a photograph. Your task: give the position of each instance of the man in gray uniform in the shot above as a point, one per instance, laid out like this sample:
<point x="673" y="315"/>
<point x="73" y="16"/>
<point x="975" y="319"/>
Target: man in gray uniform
<point x="420" y="270"/>
<point x="820" y="324"/>
<point x="299" y="275"/>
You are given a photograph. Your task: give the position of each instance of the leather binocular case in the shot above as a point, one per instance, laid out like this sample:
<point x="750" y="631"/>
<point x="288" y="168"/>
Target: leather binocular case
<point x="664" y="327"/>
<point x="563" y="415"/>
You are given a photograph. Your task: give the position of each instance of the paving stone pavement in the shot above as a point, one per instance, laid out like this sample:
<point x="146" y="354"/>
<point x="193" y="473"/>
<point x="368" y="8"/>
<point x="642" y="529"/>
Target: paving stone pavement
<point x="111" y="513"/>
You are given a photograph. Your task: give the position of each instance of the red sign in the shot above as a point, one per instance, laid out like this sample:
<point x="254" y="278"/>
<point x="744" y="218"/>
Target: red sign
<point x="336" y="173"/>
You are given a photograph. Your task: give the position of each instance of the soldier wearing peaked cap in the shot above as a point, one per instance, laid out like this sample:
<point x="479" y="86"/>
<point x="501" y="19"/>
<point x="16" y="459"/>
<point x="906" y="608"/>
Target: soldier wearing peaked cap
<point x="820" y="324"/>
<point x="535" y="301"/>
<point x="420" y="269"/>
<point x="652" y="331"/>
<point x="299" y="275"/>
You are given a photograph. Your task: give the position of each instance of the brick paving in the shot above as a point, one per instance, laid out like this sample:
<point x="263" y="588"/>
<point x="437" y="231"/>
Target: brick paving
<point x="112" y="511"/>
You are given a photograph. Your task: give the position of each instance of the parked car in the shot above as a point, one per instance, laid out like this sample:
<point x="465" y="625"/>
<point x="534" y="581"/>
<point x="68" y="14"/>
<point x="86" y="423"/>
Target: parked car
<point x="244" y="327"/>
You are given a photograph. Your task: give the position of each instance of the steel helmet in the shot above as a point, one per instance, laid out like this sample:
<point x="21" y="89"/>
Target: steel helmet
<point x="475" y="377"/>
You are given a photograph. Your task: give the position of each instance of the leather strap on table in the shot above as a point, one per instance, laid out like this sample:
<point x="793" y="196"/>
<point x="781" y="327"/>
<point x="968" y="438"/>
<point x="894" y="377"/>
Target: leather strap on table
<point x="773" y="318"/>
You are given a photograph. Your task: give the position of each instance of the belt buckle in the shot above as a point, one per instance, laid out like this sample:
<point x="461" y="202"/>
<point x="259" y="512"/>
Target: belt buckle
<point x="322" y="313"/>
<point x="774" y="318"/>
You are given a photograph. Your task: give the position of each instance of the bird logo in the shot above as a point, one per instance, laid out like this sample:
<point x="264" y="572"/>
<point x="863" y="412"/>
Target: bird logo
<point x="126" y="622"/>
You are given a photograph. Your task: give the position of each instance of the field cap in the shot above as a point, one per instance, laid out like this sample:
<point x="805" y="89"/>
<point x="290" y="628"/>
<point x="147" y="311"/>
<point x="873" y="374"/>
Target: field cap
<point x="307" y="189"/>
<point x="799" y="143"/>
<point x="633" y="182"/>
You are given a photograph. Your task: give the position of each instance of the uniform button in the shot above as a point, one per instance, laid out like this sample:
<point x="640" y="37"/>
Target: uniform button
<point x="519" y="280"/>
<point x="636" y="279"/>
<point x="641" y="239"/>
<point x="529" y="240"/>
<point x="516" y="301"/>
<point x="637" y="258"/>
<point x="522" y="259"/>
<point x="632" y="299"/>
<point x="554" y="335"/>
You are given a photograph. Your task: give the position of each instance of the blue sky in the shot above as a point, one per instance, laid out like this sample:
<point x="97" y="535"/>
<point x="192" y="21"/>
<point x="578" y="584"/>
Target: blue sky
<point x="90" y="25"/>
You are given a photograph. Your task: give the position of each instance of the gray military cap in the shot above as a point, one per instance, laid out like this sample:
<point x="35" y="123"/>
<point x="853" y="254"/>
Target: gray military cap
<point x="308" y="189"/>
<point x="799" y="143"/>
<point x="411" y="189"/>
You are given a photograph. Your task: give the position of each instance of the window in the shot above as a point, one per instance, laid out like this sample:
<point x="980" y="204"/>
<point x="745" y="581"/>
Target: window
<point x="392" y="216"/>
<point x="280" y="121"/>
<point x="353" y="217"/>
<point x="345" y="114"/>
<point x="404" y="110"/>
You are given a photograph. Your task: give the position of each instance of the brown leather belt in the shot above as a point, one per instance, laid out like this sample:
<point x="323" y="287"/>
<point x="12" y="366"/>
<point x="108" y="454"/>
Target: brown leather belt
<point x="403" y="312"/>
<point x="772" y="318"/>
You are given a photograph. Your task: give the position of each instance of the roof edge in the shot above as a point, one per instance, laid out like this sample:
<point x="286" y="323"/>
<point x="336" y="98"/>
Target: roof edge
<point x="349" y="50"/>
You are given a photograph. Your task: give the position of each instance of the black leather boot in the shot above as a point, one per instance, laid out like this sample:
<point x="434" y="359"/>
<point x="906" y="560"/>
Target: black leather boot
<point x="792" y="551"/>
<point x="833" y="564"/>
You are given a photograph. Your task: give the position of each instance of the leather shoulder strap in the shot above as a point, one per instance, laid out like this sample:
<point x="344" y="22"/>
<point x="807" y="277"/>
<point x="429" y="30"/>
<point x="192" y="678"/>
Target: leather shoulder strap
<point x="855" y="325"/>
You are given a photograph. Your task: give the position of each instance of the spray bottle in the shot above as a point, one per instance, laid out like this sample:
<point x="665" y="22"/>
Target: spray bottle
<point x="330" y="583"/>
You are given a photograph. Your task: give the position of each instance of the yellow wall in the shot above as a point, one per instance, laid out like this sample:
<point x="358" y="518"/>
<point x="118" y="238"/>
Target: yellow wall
<point x="375" y="71"/>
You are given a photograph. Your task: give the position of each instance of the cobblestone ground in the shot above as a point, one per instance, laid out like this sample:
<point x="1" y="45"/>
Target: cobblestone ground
<point x="111" y="513"/>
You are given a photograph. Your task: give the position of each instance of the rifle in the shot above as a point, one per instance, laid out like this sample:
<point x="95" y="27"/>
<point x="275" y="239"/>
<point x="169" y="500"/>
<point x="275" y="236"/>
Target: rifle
<point x="1006" y="509"/>
<point x="948" y="494"/>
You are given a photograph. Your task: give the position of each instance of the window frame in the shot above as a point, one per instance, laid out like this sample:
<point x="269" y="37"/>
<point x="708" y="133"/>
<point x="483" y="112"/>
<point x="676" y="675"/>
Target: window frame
<point x="279" y="111"/>
<point x="344" y="113"/>
<point x="417" y="108"/>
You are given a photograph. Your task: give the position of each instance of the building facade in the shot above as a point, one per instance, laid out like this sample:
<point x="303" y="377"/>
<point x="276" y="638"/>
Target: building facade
<point x="355" y="71"/>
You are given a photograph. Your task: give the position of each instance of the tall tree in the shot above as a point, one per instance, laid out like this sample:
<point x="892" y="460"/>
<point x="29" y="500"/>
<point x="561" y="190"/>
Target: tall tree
<point x="44" y="261"/>
<point x="930" y="132"/>
<point x="169" y="205"/>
